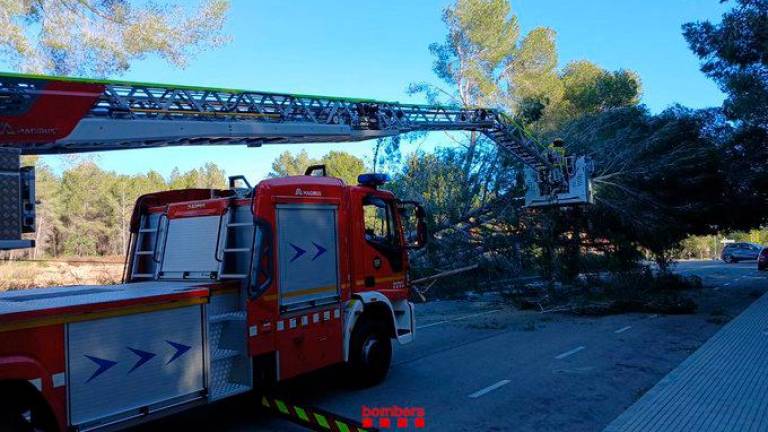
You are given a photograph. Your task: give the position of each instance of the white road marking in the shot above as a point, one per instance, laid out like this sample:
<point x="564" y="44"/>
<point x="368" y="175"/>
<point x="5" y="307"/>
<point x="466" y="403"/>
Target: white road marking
<point x="568" y="353"/>
<point x="457" y="319"/>
<point x="623" y="329"/>
<point x="489" y="389"/>
<point x="580" y="370"/>
<point x="705" y="266"/>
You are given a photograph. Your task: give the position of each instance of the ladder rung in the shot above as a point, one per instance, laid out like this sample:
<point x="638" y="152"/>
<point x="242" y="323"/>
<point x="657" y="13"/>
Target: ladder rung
<point x="233" y="275"/>
<point x="237" y="250"/>
<point x="145" y="252"/>
<point x="228" y="316"/>
<point x="240" y="224"/>
<point x="224" y="354"/>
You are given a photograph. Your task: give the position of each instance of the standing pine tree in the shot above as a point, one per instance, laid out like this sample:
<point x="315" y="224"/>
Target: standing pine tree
<point x="734" y="53"/>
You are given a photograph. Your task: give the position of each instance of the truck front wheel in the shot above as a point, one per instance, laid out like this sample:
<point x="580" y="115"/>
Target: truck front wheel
<point x="370" y="353"/>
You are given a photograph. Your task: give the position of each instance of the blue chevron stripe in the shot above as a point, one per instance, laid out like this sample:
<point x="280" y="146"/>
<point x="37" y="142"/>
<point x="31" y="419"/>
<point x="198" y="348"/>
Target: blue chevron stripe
<point x="104" y="365"/>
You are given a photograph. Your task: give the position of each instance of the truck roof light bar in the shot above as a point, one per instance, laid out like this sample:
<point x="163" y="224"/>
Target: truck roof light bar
<point x="373" y="179"/>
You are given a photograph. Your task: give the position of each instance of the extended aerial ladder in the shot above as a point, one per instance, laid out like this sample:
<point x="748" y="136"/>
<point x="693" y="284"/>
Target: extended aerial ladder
<point x="42" y="115"/>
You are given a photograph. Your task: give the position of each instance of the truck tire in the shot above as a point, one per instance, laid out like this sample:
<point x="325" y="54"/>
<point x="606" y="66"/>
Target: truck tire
<point x="22" y="410"/>
<point x="370" y="353"/>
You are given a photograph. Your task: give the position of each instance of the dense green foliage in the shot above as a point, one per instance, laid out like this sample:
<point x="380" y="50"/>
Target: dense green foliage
<point x="85" y="211"/>
<point x="338" y="164"/>
<point x="659" y="179"/>
<point x="734" y="53"/>
<point x="101" y="38"/>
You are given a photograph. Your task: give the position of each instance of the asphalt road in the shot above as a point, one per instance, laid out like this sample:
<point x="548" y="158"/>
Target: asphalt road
<point x="485" y="366"/>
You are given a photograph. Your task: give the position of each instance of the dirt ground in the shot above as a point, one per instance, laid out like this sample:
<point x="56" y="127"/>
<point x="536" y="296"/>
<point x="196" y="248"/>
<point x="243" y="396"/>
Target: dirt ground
<point x="34" y="274"/>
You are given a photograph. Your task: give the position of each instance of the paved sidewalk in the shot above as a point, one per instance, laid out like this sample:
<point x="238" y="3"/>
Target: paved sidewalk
<point x="723" y="386"/>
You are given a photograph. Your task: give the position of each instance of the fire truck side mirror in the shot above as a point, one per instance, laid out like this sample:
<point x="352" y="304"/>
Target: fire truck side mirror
<point x="421" y="230"/>
<point x="413" y="220"/>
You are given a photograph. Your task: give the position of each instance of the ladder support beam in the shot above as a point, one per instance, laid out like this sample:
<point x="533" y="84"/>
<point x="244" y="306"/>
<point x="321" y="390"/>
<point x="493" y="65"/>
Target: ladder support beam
<point x="126" y="115"/>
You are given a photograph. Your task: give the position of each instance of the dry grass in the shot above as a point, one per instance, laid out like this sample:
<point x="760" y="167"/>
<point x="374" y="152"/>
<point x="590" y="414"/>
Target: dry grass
<point x="16" y="275"/>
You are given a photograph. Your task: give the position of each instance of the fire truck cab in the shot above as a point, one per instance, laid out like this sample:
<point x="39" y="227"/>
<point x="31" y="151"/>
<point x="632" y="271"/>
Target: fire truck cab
<point x="223" y="289"/>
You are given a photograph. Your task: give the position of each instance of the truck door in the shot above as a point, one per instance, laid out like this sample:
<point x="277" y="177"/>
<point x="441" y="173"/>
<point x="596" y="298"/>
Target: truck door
<point x="309" y="327"/>
<point x="124" y="366"/>
<point x="381" y="265"/>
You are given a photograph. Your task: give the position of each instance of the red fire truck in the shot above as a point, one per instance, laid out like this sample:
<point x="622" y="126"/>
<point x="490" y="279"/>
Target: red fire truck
<point x="290" y="276"/>
<point x="223" y="289"/>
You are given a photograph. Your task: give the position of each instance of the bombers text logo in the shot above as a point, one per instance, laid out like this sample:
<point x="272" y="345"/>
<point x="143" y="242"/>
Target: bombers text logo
<point x="394" y="416"/>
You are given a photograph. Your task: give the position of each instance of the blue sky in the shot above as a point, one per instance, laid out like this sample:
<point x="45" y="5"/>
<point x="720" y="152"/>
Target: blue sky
<point x="376" y="48"/>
